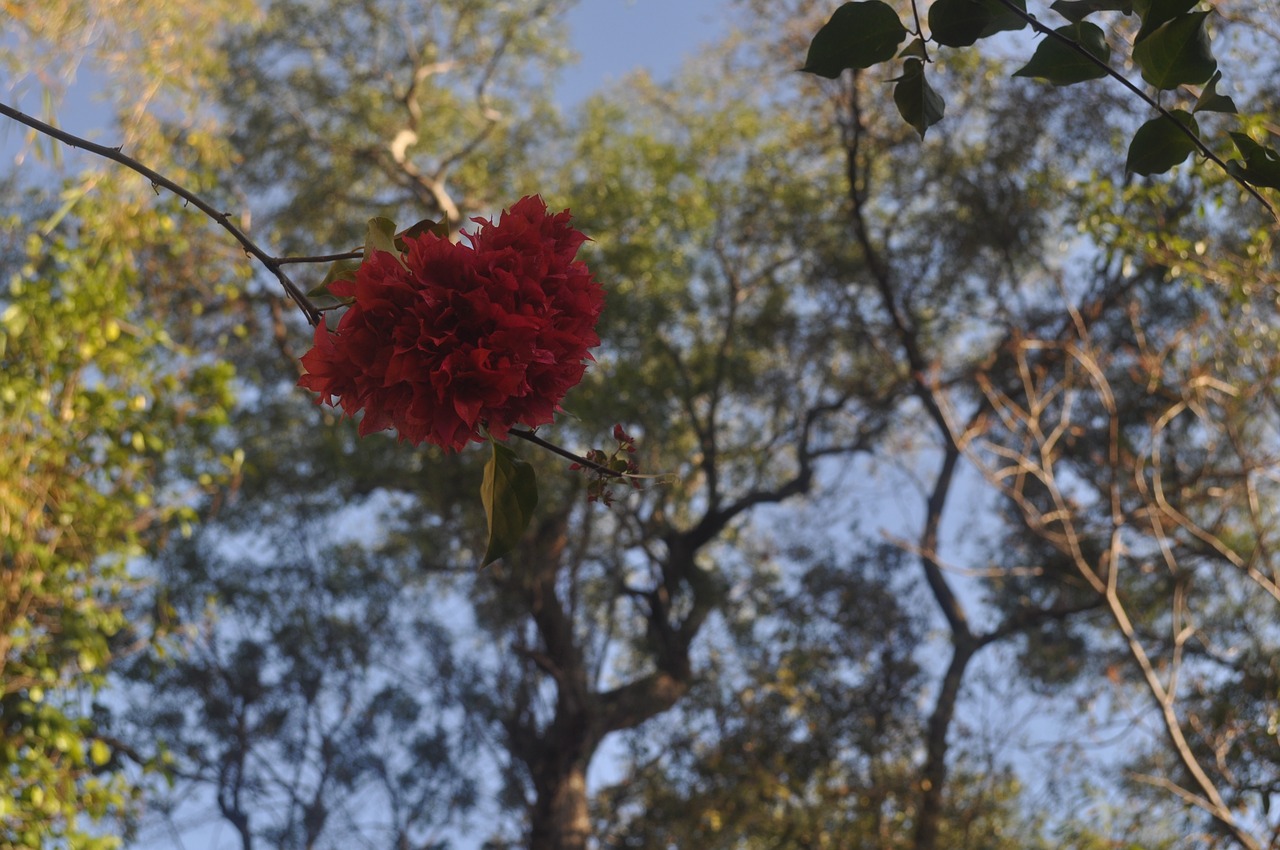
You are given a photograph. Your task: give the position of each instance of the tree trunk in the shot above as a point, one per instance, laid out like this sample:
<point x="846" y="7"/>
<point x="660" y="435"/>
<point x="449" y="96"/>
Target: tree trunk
<point x="560" y="818"/>
<point x="934" y="776"/>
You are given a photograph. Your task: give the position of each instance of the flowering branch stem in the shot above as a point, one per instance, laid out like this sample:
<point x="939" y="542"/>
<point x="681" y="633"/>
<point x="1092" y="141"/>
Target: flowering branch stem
<point x="272" y="264"/>
<point x="1050" y="32"/>
<point x="529" y="436"/>
<point x="322" y="258"/>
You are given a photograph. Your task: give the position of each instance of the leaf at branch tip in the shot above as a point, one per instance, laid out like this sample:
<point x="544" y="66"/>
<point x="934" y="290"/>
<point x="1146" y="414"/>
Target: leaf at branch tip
<point x="1077" y="10"/>
<point x="381" y="236"/>
<point x="858" y="35"/>
<point x="1261" y="165"/>
<point x="1176" y="53"/>
<point x="1059" y="64"/>
<point x="510" y="493"/>
<point x="1159" y="145"/>
<point x="920" y="105"/>
<point x="1211" y="101"/>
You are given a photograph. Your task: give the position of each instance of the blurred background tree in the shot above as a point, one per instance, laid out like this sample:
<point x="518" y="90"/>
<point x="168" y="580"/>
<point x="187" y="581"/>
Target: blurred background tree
<point x="964" y="437"/>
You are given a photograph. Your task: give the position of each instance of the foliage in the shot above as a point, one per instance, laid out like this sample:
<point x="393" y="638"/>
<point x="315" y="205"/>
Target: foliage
<point x="101" y="413"/>
<point x="1067" y="434"/>
<point x="1171" y="48"/>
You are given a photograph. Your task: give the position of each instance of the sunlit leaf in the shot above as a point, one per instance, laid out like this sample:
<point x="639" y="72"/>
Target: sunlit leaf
<point x="380" y="236"/>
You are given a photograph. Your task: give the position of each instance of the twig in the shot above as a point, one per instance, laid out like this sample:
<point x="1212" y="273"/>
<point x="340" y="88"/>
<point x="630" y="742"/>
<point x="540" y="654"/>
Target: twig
<point x="272" y="264"/>
<point x="529" y="436"/>
<point x="1046" y="30"/>
<point x="322" y="258"/>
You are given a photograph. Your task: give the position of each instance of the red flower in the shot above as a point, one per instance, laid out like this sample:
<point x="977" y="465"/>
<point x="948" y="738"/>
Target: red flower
<point x="447" y="338"/>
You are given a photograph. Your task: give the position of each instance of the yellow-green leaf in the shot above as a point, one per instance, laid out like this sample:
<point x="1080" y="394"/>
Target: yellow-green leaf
<point x="510" y="493"/>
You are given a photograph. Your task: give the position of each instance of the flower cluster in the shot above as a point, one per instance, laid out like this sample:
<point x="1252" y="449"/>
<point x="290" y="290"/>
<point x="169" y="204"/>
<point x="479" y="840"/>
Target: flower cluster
<point x="448" y="338"/>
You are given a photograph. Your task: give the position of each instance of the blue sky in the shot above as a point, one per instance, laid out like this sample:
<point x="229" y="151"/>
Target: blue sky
<point x="614" y="37"/>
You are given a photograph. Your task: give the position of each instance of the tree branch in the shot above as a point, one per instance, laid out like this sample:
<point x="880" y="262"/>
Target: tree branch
<point x="223" y="219"/>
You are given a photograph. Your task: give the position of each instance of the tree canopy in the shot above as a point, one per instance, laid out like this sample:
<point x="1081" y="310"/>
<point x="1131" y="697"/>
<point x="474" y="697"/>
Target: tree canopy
<point x="920" y="492"/>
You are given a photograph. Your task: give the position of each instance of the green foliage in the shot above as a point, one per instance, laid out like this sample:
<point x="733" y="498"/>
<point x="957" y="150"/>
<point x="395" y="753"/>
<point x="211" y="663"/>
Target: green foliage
<point x="95" y="397"/>
<point x="1172" y="49"/>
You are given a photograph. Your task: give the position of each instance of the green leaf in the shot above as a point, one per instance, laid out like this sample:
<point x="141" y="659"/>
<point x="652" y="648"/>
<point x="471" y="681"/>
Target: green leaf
<point x="1176" y="53"/>
<point x="439" y="228"/>
<point x="914" y="48"/>
<point x="958" y="23"/>
<point x="380" y="236"/>
<point x="1154" y="13"/>
<point x="1261" y="166"/>
<point x="1159" y="145"/>
<point x="858" y="35"/>
<point x="1003" y="19"/>
<point x="510" y="493"/>
<point x="1211" y="101"/>
<point x="1062" y="65"/>
<point x="1077" y="10"/>
<point x="919" y="104"/>
<point x="340" y="270"/>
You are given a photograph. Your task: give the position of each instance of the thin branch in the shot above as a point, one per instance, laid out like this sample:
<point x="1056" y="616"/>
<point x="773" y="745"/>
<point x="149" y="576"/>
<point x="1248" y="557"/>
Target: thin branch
<point x="531" y="437"/>
<point x="321" y="258"/>
<point x="272" y="264"/>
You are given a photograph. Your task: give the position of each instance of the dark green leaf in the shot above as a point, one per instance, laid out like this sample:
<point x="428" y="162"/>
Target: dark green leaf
<point x="510" y="493"/>
<point x="1261" y="166"/>
<point x="1061" y="64"/>
<point x="919" y="104"/>
<point x="439" y="228"/>
<point x="858" y="35"/>
<point x="1176" y="53"/>
<point x="1077" y="10"/>
<point x="1003" y="19"/>
<point x="1211" y="101"/>
<point x="958" y="23"/>
<point x="914" y="48"/>
<point x="1160" y="145"/>
<point x="1154" y="13"/>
